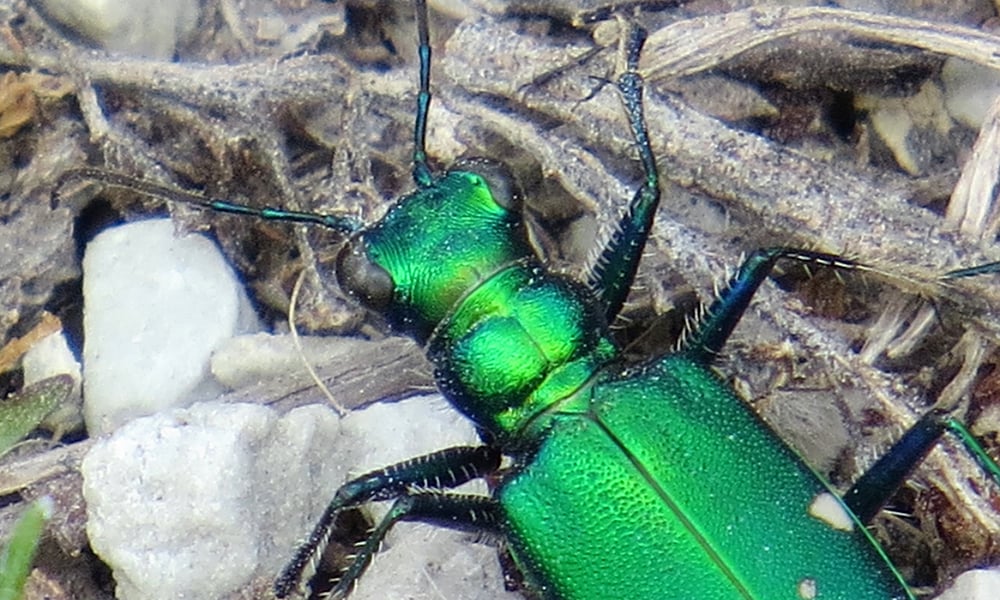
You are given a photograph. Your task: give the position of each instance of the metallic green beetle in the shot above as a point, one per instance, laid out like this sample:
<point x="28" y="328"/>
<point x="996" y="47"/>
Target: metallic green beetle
<point x="645" y="482"/>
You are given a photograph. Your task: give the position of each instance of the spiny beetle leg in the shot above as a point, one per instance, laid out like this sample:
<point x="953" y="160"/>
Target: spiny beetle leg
<point x="465" y="512"/>
<point x="876" y="485"/>
<point x="613" y="272"/>
<point x="446" y="468"/>
<point x="874" y="488"/>
<point x="713" y="327"/>
<point x="984" y="269"/>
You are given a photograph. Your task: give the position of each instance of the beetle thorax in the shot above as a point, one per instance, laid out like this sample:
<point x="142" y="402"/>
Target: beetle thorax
<point x="430" y="250"/>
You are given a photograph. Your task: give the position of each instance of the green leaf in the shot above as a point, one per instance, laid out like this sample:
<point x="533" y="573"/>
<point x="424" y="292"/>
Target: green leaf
<point x="16" y="557"/>
<point x="23" y="411"/>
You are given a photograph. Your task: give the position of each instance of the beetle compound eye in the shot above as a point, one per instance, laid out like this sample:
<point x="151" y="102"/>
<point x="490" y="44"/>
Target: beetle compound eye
<point x="503" y="185"/>
<point x="367" y="282"/>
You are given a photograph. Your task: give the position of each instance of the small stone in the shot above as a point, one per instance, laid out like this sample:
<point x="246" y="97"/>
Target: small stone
<point x="156" y="305"/>
<point x="204" y="501"/>
<point x="193" y="503"/>
<point x="983" y="584"/>
<point x="49" y="357"/>
<point x="970" y="90"/>
<point x="145" y="28"/>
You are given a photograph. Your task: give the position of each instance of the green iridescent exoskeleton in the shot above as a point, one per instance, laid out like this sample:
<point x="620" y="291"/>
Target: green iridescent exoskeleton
<point x="479" y="299"/>
<point x="645" y="482"/>
<point x="686" y="511"/>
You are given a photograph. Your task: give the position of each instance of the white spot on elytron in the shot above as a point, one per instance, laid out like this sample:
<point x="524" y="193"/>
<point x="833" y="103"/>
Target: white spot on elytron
<point x="807" y="589"/>
<point x="828" y="509"/>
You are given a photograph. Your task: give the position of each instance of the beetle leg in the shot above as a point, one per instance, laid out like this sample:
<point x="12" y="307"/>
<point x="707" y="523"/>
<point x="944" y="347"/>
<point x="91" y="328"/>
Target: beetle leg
<point x="985" y="269"/>
<point x="465" y="512"/>
<point x="611" y="276"/>
<point x="881" y="480"/>
<point x="442" y="469"/>
<point x="704" y="340"/>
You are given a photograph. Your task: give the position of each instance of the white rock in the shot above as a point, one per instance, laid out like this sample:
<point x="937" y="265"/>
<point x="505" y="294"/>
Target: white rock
<point x="420" y="561"/>
<point x="248" y="359"/>
<point x="423" y="562"/>
<point x="194" y="502"/>
<point x="148" y="28"/>
<point x="200" y="502"/>
<point x="52" y="356"/>
<point x="970" y="90"/>
<point x="974" y="585"/>
<point x="155" y="307"/>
